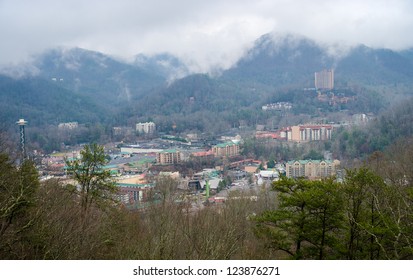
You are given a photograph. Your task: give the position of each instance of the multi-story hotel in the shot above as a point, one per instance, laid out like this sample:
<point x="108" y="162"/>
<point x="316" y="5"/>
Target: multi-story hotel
<point x="168" y="157"/>
<point x="308" y="132"/>
<point x="226" y="149"/>
<point x="147" y="127"/>
<point x="324" y="79"/>
<point x="312" y="169"/>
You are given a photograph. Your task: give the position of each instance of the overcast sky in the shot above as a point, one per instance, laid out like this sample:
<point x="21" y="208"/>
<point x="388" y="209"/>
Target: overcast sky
<point x="208" y="33"/>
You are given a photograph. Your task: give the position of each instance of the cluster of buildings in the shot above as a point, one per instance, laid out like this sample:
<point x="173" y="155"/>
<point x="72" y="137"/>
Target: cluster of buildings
<point x="278" y="106"/>
<point x="174" y="156"/>
<point x="68" y="125"/>
<point x="333" y="99"/>
<point x="177" y="155"/>
<point x="132" y="169"/>
<point x="138" y="192"/>
<point x="135" y="188"/>
<point x="324" y="84"/>
<point x="310" y="169"/>
<point x="300" y="133"/>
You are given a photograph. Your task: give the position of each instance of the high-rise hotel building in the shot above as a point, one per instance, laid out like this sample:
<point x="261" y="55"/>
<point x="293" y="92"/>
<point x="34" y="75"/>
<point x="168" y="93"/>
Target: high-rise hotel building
<point x="307" y="132"/>
<point x="147" y="127"/>
<point x="324" y="79"/>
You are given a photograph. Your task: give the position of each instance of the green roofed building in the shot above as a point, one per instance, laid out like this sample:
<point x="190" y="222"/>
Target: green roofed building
<point x="227" y="149"/>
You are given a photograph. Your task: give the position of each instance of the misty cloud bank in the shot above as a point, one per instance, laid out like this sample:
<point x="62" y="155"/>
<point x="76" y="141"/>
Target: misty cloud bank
<point x="205" y="35"/>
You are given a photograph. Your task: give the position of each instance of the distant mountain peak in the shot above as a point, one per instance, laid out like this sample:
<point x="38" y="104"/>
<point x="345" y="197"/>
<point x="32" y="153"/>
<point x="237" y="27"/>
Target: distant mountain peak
<point x="72" y="59"/>
<point x="276" y="41"/>
<point x="166" y="64"/>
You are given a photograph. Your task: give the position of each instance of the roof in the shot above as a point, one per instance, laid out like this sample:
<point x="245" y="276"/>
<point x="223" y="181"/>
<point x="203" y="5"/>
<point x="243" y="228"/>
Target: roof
<point x="269" y="173"/>
<point x="213" y="183"/>
<point x="315" y="126"/>
<point x="309" y="160"/>
<point x="124" y="185"/>
<point x="223" y="145"/>
<point x="111" y="166"/>
<point x="170" y="151"/>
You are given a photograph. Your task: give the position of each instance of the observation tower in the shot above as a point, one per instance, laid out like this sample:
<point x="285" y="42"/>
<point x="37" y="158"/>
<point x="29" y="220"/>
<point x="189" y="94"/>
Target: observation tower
<point x="21" y="123"/>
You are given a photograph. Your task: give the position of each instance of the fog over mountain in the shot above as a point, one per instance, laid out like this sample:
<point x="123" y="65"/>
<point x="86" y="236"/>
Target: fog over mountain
<point x="206" y="36"/>
<point x="274" y="59"/>
<point x="288" y="48"/>
<point x="93" y="88"/>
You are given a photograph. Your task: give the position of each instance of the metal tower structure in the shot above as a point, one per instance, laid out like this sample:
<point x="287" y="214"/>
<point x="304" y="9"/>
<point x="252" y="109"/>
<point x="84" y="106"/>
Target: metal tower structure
<point x="21" y="123"/>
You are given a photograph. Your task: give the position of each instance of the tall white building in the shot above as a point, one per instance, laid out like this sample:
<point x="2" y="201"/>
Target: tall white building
<point x="147" y="127"/>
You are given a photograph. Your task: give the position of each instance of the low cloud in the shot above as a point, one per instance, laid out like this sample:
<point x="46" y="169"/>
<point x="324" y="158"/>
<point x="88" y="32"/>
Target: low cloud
<point x="205" y="34"/>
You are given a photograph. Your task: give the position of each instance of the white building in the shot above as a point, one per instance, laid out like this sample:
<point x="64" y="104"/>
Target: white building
<point x="277" y="106"/>
<point x="147" y="127"/>
<point x="137" y="150"/>
<point x="68" y="125"/>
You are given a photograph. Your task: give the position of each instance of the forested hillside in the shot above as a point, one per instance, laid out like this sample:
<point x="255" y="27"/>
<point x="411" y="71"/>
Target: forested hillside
<point x="275" y="70"/>
<point x="43" y="103"/>
<point x="89" y="87"/>
<point x="107" y="81"/>
<point x="288" y="61"/>
<point x="392" y="125"/>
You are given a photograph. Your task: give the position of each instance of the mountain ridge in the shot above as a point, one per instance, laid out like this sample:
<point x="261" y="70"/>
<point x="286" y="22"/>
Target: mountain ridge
<point x="145" y="87"/>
